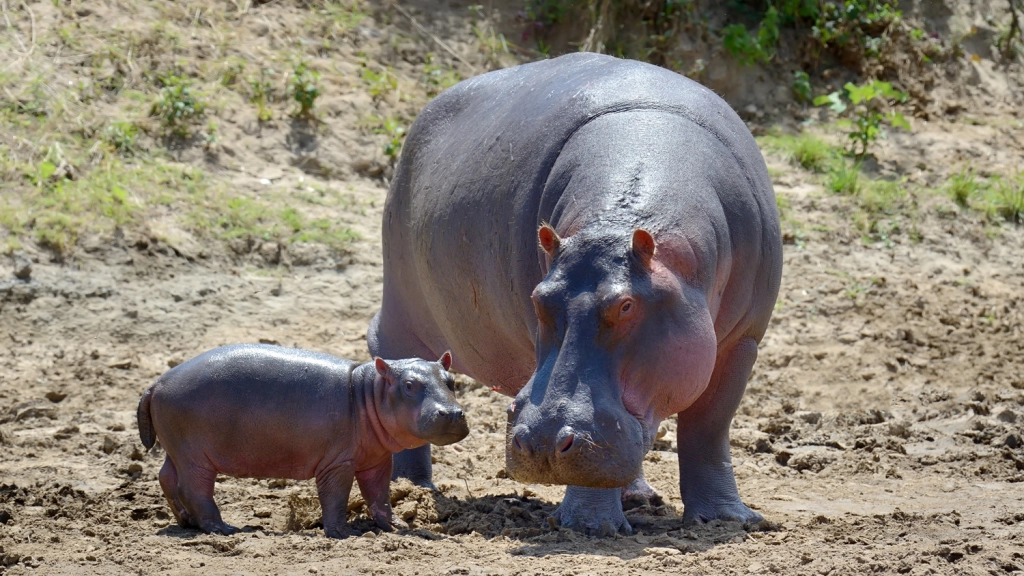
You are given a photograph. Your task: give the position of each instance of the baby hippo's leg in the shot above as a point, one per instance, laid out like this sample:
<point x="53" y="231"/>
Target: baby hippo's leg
<point x="375" y="484"/>
<point x="169" y="484"/>
<point x="333" y="486"/>
<point x="195" y="489"/>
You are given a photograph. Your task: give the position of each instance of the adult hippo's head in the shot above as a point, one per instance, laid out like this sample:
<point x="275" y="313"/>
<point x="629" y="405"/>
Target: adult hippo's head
<point x="623" y="339"/>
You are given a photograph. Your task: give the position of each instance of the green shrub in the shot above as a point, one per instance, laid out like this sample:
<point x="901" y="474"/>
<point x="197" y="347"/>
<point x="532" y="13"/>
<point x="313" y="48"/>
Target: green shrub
<point x="802" y="86"/>
<point x="305" y="89"/>
<point x="864" y="115"/>
<point x="121" y="137"/>
<point x="178" y="105"/>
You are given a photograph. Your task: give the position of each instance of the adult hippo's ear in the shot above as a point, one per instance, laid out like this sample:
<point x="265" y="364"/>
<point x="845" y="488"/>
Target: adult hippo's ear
<point x="446" y="360"/>
<point x="549" y="239"/>
<point x="643" y="247"/>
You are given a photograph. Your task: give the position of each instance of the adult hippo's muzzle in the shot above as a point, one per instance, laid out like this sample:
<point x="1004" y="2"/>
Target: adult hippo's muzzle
<point x="585" y="439"/>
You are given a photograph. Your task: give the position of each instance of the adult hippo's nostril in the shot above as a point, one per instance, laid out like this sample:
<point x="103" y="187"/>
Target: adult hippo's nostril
<point x="565" y="442"/>
<point x="453" y="415"/>
<point x="521" y="445"/>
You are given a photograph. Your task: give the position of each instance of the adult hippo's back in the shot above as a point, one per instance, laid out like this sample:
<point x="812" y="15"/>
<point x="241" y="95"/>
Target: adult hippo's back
<point x="598" y="238"/>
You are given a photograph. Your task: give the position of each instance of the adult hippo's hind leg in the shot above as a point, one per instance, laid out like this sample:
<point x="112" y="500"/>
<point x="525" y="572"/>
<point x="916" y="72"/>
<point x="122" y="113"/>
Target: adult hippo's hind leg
<point x="640" y="493"/>
<point x="593" y="511"/>
<point x="386" y="339"/>
<point x="706" y="480"/>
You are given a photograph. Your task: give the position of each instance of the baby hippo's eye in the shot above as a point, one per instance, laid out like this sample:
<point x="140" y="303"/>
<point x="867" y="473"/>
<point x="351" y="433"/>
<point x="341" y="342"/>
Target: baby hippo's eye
<point x="412" y="386"/>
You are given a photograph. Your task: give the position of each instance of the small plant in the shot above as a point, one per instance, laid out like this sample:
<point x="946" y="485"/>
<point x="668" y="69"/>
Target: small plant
<point x="1010" y="36"/>
<point x="867" y="117"/>
<point x="396" y="133"/>
<point x="438" y="78"/>
<point x="121" y="137"/>
<point x="844" y="178"/>
<point x="232" y="72"/>
<point x="545" y="13"/>
<point x="962" y="186"/>
<point x="1009" y="199"/>
<point x="380" y="83"/>
<point x="802" y="86"/>
<point x="343" y="18"/>
<point x="178" y="105"/>
<point x="749" y="49"/>
<point x="305" y="89"/>
<point x="262" y="94"/>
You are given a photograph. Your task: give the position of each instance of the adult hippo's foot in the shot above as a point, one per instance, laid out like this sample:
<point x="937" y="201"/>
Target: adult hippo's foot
<point x="593" y="511"/>
<point x="710" y="494"/>
<point x="415" y="466"/>
<point x="706" y="480"/>
<point x="640" y="493"/>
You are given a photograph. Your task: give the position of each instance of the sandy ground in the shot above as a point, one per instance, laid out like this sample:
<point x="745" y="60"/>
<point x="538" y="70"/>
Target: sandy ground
<point x="882" y="431"/>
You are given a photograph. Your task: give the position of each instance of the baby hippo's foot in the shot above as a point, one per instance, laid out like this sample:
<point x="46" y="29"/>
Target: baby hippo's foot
<point x="339" y="532"/>
<point x="217" y="527"/>
<point x="593" y="511"/>
<point x="639" y="493"/>
<point x="184" y="520"/>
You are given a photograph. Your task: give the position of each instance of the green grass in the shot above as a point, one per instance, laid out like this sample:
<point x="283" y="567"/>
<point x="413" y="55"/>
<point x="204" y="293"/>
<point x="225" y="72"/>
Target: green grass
<point x="270" y="215"/>
<point x="805" y="150"/>
<point x="881" y="196"/>
<point x="56" y="211"/>
<point x="1006" y="198"/>
<point x="963" y="186"/>
<point x="844" y="178"/>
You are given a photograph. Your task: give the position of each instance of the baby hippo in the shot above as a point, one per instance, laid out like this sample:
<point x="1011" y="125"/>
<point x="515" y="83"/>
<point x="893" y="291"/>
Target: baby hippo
<point x="259" y="411"/>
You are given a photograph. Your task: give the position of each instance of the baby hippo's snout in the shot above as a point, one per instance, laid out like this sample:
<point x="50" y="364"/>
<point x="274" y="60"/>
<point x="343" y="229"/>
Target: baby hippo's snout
<point x="448" y="426"/>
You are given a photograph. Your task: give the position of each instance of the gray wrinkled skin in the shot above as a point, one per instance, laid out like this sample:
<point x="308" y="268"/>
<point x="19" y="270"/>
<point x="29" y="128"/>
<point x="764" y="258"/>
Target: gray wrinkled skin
<point x="258" y="411"/>
<point x="646" y="297"/>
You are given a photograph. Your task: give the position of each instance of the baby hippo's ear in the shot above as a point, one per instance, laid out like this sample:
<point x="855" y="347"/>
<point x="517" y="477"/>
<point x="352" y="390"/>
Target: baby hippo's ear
<point x="446" y="360"/>
<point x="382" y="366"/>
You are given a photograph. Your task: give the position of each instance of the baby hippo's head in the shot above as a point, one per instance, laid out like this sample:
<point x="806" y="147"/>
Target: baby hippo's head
<point x="420" y="399"/>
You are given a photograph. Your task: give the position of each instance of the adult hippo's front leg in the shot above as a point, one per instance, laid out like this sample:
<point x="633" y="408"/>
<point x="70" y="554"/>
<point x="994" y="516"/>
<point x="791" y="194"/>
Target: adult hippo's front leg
<point x="414" y="465"/>
<point x="593" y="511"/>
<point x="706" y="480"/>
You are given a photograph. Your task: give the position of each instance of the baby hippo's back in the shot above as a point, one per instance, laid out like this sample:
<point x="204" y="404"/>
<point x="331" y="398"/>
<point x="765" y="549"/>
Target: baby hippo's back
<point x="256" y="410"/>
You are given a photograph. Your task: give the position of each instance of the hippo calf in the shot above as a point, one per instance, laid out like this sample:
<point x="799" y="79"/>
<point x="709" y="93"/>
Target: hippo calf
<point x="259" y="411"/>
<point x="599" y="239"/>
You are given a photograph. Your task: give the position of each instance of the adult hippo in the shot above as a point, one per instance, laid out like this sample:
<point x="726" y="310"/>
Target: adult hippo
<point x="598" y="238"/>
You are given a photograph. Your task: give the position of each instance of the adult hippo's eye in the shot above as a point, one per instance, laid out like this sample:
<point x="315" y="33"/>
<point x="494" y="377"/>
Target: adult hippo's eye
<point x="626" y="308"/>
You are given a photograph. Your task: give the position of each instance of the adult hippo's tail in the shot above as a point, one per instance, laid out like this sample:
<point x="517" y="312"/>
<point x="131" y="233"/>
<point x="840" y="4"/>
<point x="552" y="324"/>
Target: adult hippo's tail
<point x="146" y="431"/>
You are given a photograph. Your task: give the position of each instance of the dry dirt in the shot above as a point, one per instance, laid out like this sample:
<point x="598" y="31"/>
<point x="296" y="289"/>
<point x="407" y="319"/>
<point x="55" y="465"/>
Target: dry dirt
<point x="882" y="431"/>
